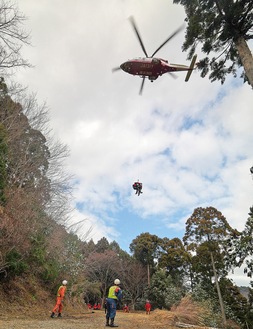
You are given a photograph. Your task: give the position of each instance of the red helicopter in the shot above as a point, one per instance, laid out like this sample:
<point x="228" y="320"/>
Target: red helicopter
<point x="153" y="67"/>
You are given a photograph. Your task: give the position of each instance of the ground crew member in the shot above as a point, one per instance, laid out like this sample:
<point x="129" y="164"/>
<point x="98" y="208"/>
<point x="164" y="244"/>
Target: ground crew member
<point x="126" y="308"/>
<point x="147" y="307"/>
<point x="115" y="293"/>
<point x="59" y="299"/>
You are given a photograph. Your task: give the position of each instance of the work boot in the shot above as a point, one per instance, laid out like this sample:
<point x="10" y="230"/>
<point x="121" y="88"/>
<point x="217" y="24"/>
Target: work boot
<point x="112" y="323"/>
<point x="107" y="322"/>
<point x="59" y="315"/>
<point x="52" y="315"/>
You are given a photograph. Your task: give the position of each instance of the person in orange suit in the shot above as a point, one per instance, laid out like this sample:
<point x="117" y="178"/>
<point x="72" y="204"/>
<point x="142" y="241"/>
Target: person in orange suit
<point x="59" y="299"/>
<point x="147" y="307"/>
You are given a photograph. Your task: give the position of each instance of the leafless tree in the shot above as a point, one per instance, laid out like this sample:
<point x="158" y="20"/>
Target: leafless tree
<point x="102" y="268"/>
<point x="37" y="187"/>
<point x="12" y="37"/>
<point x="134" y="276"/>
<point x="59" y="189"/>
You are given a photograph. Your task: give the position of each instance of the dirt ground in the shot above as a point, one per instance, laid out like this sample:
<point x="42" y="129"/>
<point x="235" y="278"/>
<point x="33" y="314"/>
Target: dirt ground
<point x="24" y="305"/>
<point x="36" y="315"/>
<point x="87" y="320"/>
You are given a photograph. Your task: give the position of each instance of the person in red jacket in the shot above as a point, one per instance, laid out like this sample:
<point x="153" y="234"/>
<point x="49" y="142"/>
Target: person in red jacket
<point x="126" y="308"/>
<point x="137" y="186"/>
<point x="59" y="299"/>
<point x="147" y="307"/>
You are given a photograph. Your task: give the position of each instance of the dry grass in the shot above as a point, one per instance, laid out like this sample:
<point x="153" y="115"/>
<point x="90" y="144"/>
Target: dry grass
<point x="189" y="312"/>
<point x="198" y="314"/>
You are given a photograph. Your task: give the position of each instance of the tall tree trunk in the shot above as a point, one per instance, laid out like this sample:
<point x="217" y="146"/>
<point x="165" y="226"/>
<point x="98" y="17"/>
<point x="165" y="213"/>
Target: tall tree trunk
<point x="148" y="275"/>
<point x="219" y="294"/>
<point x="246" y="58"/>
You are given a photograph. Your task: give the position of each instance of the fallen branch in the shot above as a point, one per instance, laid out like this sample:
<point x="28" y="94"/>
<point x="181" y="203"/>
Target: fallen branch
<point x="185" y="325"/>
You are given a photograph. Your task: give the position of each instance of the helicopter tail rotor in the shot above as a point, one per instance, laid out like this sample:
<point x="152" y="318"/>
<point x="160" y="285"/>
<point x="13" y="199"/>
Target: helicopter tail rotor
<point x="191" y="68"/>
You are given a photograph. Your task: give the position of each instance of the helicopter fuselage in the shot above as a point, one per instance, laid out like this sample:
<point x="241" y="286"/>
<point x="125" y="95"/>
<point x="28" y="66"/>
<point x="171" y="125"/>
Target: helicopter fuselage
<point x="151" y="68"/>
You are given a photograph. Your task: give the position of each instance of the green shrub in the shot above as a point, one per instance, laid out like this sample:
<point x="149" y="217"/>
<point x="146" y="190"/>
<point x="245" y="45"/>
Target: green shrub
<point x="16" y="264"/>
<point x="50" y="271"/>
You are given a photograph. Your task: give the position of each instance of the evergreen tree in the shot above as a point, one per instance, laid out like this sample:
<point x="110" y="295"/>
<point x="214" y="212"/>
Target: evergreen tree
<point x="102" y="245"/>
<point x="222" y="27"/>
<point x="236" y="304"/>
<point x="242" y="248"/>
<point x="162" y="292"/>
<point x="207" y="232"/>
<point x="145" y="249"/>
<point x="174" y="258"/>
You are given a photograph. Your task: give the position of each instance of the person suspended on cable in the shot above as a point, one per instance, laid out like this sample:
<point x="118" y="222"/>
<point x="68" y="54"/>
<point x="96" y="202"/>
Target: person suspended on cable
<point x="137" y="186"/>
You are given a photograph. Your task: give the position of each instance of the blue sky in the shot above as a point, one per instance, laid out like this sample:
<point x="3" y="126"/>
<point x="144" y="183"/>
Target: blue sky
<point x="190" y="144"/>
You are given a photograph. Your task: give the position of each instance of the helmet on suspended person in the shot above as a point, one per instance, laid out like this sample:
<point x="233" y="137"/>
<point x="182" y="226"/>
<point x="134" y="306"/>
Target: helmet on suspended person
<point x="64" y="282"/>
<point x="116" y="281"/>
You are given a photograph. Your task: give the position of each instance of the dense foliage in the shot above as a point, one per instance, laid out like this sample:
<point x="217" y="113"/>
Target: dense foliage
<point x="221" y="28"/>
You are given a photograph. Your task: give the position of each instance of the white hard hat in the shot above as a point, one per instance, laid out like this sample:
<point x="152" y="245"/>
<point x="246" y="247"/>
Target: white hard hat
<point x="116" y="281"/>
<point x="64" y="282"/>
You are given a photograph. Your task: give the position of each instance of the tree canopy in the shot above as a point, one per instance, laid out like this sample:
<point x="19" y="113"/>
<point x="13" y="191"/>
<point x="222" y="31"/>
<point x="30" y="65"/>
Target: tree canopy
<point x="207" y="231"/>
<point x="222" y="27"/>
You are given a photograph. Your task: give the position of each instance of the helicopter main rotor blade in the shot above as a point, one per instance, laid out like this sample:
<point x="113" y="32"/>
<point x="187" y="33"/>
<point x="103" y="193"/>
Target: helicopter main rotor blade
<point x="138" y="34"/>
<point x="169" y="38"/>
<point x="116" y="69"/>
<point x="173" y="75"/>
<point x="142" y="85"/>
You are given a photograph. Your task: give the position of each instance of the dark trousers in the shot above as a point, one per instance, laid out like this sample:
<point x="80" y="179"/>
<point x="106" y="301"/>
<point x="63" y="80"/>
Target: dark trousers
<point x="111" y="305"/>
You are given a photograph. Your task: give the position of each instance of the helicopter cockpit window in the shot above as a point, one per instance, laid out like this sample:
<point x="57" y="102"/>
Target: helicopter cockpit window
<point x="155" y="61"/>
